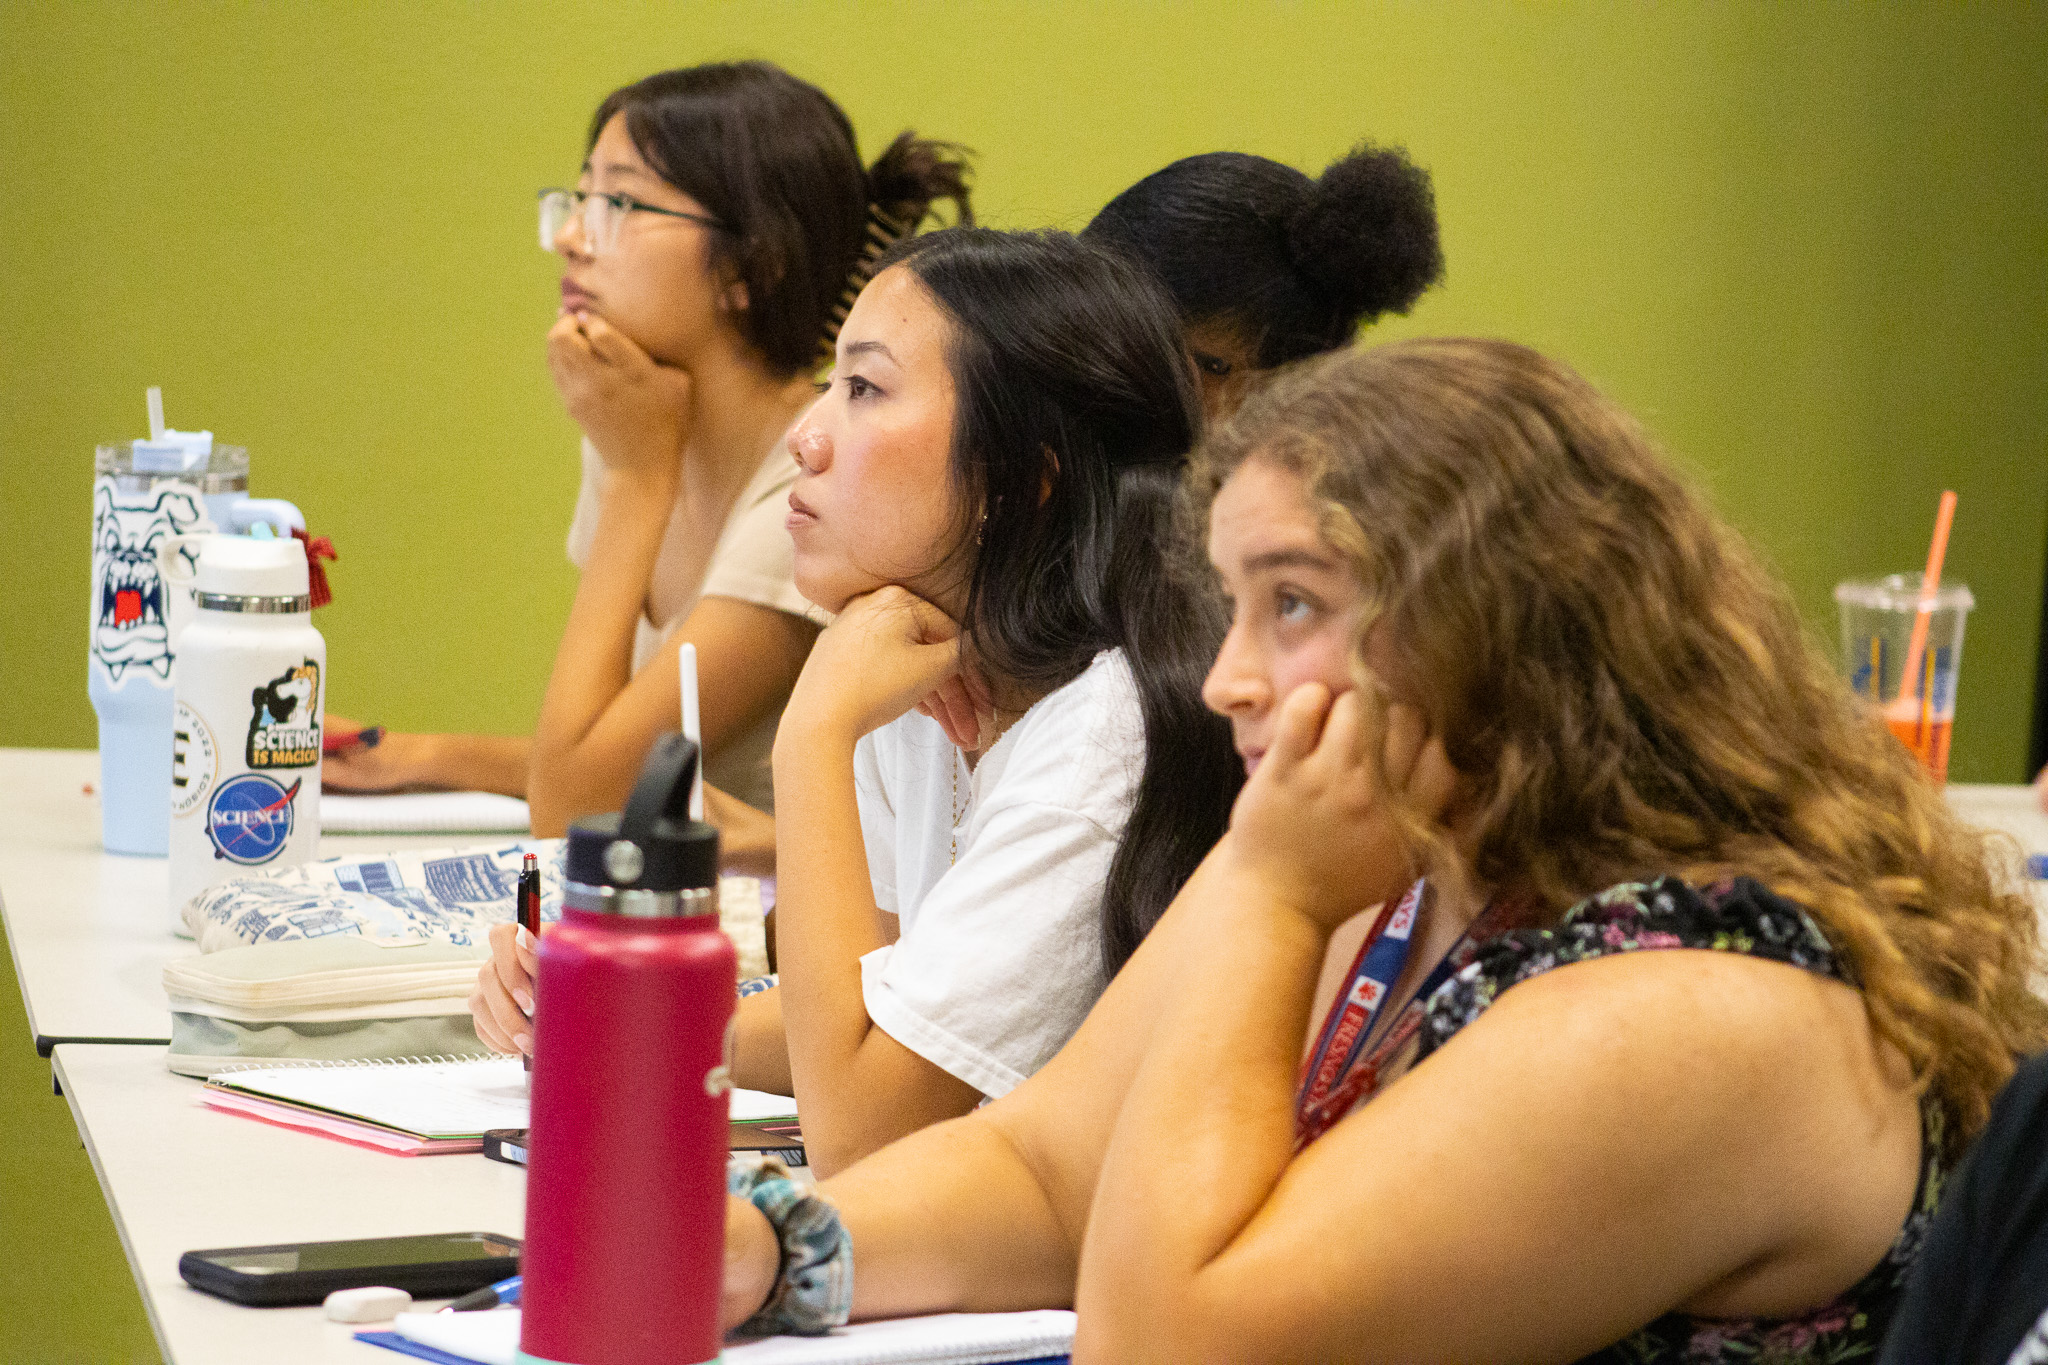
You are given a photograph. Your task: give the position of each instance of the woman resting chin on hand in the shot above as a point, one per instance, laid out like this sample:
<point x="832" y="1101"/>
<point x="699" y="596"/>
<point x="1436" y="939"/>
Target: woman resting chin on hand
<point x="719" y="214"/>
<point x="1704" y="993"/>
<point x="985" y="492"/>
<point x="1010" y="687"/>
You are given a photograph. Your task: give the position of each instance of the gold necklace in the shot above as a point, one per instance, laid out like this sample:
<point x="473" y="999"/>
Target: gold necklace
<point x="953" y="833"/>
<point x="999" y="725"/>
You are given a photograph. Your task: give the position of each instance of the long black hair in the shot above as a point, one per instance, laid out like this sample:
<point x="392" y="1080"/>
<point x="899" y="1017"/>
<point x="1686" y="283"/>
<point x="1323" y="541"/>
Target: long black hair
<point x="1293" y="265"/>
<point x="773" y="159"/>
<point x="1076" y="409"/>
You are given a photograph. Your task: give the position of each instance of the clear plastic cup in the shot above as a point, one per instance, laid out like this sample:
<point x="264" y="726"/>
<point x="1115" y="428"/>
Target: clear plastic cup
<point x="1877" y="634"/>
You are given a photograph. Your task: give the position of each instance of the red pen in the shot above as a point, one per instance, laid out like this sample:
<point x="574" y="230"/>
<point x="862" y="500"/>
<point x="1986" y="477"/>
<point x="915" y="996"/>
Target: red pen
<point x="529" y="909"/>
<point x="366" y="738"/>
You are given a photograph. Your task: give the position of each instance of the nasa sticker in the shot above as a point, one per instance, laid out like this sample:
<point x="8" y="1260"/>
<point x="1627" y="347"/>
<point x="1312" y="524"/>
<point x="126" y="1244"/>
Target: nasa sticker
<point x="250" y="818"/>
<point x="284" y="719"/>
<point x="194" y="764"/>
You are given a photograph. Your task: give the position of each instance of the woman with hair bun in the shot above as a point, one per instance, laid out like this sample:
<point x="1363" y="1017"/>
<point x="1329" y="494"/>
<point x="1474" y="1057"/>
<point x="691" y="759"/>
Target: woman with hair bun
<point x="720" y="227"/>
<point x="1269" y="266"/>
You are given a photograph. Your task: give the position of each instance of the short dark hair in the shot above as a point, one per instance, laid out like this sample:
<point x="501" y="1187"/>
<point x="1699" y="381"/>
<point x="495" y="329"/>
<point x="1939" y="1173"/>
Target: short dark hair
<point x="774" y="160"/>
<point x="1076" y="409"/>
<point x="1294" y="265"/>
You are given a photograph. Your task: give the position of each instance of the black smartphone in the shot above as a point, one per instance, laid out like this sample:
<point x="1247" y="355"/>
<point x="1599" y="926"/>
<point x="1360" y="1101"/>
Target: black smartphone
<point x="506" y="1144"/>
<point x="429" y="1266"/>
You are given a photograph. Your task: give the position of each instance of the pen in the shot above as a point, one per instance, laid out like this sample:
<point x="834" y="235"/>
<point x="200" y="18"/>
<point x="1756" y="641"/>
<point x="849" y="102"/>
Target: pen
<point x="366" y="738"/>
<point x="490" y="1296"/>
<point x="529" y="910"/>
<point x="693" y="729"/>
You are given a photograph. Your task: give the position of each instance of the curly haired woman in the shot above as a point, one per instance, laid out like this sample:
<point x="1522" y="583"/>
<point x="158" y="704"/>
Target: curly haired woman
<point x="1705" y="992"/>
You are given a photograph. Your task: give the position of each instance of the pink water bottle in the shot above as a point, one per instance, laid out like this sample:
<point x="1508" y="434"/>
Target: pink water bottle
<point x="625" y="1195"/>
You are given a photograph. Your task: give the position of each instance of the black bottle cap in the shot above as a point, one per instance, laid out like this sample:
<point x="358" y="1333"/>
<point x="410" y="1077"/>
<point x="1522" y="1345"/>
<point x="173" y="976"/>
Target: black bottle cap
<point x="653" y="845"/>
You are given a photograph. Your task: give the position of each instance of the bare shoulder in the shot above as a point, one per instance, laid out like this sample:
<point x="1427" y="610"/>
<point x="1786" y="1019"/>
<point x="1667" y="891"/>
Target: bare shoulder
<point x="1724" y="1010"/>
<point x="1609" y="1141"/>
<point x="1765" y="1081"/>
<point x="1760" y="1046"/>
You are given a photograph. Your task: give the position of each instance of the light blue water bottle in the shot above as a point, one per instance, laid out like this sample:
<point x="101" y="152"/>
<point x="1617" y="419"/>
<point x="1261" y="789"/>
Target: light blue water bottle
<point x="174" y="483"/>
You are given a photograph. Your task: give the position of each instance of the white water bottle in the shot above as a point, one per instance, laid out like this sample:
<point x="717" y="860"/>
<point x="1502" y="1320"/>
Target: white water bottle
<point x="245" y="751"/>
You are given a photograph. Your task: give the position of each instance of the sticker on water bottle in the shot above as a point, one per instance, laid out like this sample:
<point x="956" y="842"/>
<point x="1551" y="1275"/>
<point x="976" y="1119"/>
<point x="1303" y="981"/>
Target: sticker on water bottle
<point x="194" y="763"/>
<point x="250" y="818"/>
<point x="284" y="721"/>
<point x="130" y="621"/>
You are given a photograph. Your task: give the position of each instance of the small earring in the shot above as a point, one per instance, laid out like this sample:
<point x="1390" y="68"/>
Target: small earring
<point x="980" y="526"/>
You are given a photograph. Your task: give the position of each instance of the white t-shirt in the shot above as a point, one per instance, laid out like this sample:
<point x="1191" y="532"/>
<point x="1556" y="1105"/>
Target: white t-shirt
<point x="752" y="560"/>
<point x="999" y="954"/>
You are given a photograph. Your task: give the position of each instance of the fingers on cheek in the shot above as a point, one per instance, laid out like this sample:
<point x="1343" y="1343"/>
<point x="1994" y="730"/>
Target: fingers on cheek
<point x="1300" y="719"/>
<point x="1341" y="730"/>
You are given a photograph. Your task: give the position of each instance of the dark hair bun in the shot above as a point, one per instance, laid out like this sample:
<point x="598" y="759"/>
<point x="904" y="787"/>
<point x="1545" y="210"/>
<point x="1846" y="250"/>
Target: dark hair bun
<point x="1366" y="233"/>
<point x="914" y="173"/>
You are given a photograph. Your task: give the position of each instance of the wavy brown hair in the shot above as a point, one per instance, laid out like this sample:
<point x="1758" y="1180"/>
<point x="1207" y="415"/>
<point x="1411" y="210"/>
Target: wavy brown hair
<point x="1630" y="691"/>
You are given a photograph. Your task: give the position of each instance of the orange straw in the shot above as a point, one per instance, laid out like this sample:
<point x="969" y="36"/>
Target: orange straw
<point x="1930" y="587"/>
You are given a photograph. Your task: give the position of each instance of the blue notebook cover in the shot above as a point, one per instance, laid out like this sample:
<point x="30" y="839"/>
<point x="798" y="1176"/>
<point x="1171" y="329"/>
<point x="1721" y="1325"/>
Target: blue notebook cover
<point x="391" y="1341"/>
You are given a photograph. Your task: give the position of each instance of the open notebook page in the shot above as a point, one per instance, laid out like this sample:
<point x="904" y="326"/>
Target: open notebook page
<point x="424" y="813"/>
<point x="427" y="1099"/>
<point x="435" y="1099"/>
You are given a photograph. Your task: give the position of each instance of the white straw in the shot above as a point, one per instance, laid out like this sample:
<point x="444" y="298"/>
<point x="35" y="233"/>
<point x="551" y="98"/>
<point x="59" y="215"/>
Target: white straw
<point x="156" y="413"/>
<point x="693" y="729"/>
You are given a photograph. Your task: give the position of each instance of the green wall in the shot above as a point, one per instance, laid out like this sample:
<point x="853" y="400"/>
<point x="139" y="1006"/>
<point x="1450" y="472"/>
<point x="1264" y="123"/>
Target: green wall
<point x="1805" y="243"/>
<point x="1808" y="244"/>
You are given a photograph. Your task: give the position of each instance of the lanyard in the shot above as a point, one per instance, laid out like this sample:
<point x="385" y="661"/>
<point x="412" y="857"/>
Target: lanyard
<point x="1373" y="974"/>
<point x="1342" y="1072"/>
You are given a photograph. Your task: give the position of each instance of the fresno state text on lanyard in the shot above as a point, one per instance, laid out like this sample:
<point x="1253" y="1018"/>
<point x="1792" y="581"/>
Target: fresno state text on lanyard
<point x="1343" y="1071"/>
<point x="1373" y="974"/>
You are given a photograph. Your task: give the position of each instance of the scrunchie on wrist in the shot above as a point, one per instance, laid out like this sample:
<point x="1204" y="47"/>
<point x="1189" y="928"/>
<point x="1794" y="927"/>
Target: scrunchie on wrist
<point x="813" y="1290"/>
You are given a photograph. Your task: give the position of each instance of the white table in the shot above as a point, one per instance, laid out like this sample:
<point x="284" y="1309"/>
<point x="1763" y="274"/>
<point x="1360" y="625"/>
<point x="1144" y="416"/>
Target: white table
<point x="89" y="930"/>
<point x="181" y="1177"/>
<point x="2013" y="810"/>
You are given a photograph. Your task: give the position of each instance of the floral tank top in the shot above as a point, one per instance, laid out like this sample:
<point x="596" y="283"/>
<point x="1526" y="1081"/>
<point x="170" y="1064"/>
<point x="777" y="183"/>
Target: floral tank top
<point x="1738" y="916"/>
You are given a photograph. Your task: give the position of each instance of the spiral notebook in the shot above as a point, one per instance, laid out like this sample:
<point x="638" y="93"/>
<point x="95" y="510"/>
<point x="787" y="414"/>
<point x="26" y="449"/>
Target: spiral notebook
<point x="417" y="1107"/>
<point x="423" y="1106"/>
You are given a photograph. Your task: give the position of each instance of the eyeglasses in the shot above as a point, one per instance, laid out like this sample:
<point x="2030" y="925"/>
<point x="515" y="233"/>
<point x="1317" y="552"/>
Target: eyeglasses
<point x="602" y="214"/>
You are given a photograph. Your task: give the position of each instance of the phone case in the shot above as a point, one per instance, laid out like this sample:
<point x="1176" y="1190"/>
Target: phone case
<point x="506" y="1144"/>
<point x="426" y="1280"/>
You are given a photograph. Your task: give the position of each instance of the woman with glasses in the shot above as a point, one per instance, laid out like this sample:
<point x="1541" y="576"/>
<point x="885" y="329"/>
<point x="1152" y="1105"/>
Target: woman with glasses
<point x="718" y="230"/>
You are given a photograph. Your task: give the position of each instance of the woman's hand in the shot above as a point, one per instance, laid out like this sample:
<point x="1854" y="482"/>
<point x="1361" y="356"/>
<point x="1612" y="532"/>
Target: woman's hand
<point x="887" y="651"/>
<point x="502" y="1003"/>
<point x="1311" y="826"/>
<point x="446" y="762"/>
<point x="964" y="709"/>
<point x="635" y="410"/>
<point x="395" y="762"/>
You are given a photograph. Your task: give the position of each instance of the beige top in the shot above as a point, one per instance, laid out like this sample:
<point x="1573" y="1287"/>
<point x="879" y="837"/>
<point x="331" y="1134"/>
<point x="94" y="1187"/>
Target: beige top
<point x="752" y="560"/>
